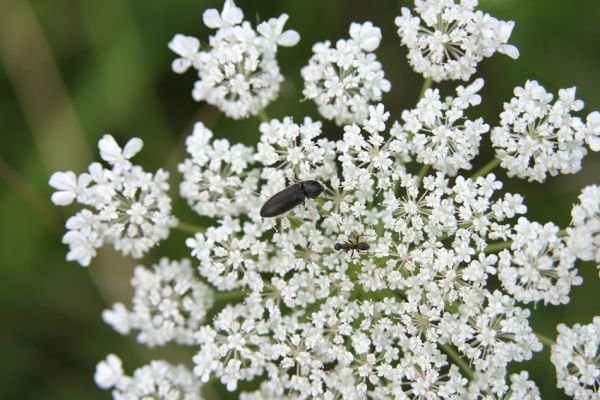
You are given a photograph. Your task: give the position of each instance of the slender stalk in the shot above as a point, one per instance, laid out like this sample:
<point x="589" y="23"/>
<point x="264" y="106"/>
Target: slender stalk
<point x="228" y="296"/>
<point x="487" y="168"/>
<point x="189" y="228"/>
<point x="462" y="364"/>
<point x="546" y="340"/>
<point x="423" y="171"/>
<point x="426" y="85"/>
<point x="263" y="116"/>
<point x="494" y="247"/>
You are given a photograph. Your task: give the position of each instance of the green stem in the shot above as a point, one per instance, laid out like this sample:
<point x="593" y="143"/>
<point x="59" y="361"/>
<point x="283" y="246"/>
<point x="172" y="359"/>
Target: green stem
<point x="462" y="364"/>
<point x="562" y="233"/>
<point x="494" y="247"/>
<point x="189" y="228"/>
<point x="262" y="115"/>
<point x="228" y="296"/>
<point x="426" y="85"/>
<point x="487" y="168"/>
<point x="423" y="171"/>
<point x="546" y="340"/>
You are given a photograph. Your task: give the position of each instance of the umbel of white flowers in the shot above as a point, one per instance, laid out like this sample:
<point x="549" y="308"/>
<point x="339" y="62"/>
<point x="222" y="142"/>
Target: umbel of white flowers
<point x="434" y="309"/>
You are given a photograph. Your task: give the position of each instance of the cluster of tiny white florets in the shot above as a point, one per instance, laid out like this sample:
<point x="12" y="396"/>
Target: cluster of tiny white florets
<point x="429" y="305"/>
<point x="158" y="380"/>
<point x="343" y="81"/>
<point x="437" y="133"/>
<point x="448" y="38"/>
<point x="536" y="138"/>
<point x="169" y="304"/>
<point x="584" y="233"/>
<point x="216" y="177"/>
<point x="539" y="266"/>
<point x="576" y="356"/>
<point x="239" y="73"/>
<point x="127" y="206"/>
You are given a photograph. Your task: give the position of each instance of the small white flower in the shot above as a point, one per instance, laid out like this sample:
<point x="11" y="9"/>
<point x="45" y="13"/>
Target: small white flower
<point x="187" y="47"/>
<point x="231" y="15"/>
<point x="366" y="35"/>
<point x="68" y="185"/>
<point x="109" y="372"/>
<point x="272" y="30"/>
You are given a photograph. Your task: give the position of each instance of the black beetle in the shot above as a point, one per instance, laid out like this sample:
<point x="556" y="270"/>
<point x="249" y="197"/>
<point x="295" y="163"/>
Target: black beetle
<point x="290" y="197"/>
<point x="353" y="246"/>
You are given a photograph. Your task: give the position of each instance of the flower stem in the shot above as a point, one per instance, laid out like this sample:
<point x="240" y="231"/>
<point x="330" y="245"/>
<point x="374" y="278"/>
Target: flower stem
<point x="487" y="168"/>
<point x="426" y="85"/>
<point x="423" y="171"/>
<point x="189" y="228"/>
<point x="232" y="295"/>
<point x="546" y="340"/>
<point x="462" y="364"/>
<point x="262" y="115"/>
<point x="494" y="247"/>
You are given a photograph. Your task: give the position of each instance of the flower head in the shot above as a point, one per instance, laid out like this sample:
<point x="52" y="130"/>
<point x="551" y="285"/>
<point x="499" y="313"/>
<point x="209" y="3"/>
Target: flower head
<point x="437" y="132"/>
<point x="536" y="138"/>
<point x="448" y="39"/>
<point x="169" y="304"/>
<point x="343" y="81"/>
<point x="157" y="380"/>
<point x="575" y="357"/>
<point x="584" y="234"/>
<point x="238" y="73"/>
<point x="126" y="206"/>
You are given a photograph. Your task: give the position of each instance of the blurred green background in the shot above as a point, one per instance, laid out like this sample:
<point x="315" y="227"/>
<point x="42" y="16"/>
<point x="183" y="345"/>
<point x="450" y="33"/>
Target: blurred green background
<point x="72" y="70"/>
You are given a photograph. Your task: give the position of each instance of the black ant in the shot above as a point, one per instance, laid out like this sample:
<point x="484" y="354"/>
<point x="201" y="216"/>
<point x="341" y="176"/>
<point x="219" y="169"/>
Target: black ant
<point x="352" y="246"/>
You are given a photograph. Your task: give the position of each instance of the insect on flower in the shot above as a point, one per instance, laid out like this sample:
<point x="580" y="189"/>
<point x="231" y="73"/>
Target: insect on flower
<point x="290" y="197"/>
<point x="352" y="246"/>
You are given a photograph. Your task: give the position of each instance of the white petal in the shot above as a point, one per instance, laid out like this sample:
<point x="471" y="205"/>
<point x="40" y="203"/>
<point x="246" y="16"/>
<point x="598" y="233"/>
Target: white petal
<point x="370" y="43"/>
<point x="185" y="46"/>
<point x="289" y="38"/>
<point x="109" y="149"/>
<point x="593" y="142"/>
<point x="509" y="50"/>
<point x="63" y="198"/>
<point x="63" y="180"/>
<point x="180" y="65"/>
<point x="231" y="14"/>
<point x="133" y="146"/>
<point x="212" y="19"/>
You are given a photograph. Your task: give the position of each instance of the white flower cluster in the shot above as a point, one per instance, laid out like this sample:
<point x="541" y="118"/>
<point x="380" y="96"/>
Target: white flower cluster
<point x="216" y="177"/>
<point x="536" y="138"/>
<point x="384" y="284"/>
<point x="428" y="248"/>
<point x="539" y="266"/>
<point x="343" y="81"/>
<point x="584" y="234"/>
<point x="157" y="380"/>
<point x="576" y="358"/>
<point x="437" y="132"/>
<point x="448" y="38"/>
<point x="169" y="304"/>
<point x="239" y="74"/>
<point x="127" y="206"/>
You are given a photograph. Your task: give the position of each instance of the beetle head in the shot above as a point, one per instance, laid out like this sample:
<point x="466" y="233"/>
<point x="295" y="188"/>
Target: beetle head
<point x="311" y="188"/>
